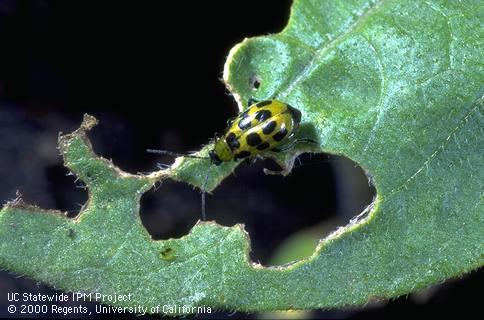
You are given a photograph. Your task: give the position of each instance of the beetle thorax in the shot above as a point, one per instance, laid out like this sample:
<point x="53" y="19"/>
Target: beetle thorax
<point x="221" y="152"/>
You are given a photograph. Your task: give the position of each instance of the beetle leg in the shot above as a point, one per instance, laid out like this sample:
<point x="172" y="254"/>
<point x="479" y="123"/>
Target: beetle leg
<point x="250" y="160"/>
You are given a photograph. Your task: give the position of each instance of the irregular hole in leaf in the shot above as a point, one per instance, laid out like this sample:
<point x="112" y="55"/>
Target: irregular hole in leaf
<point x="313" y="200"/>
<point x="117" y="139"/>
<point x="68" y="191"/>
<point x="354" y="194"/>
<point x="355" y="185"/>
<point x="28" y="141"/>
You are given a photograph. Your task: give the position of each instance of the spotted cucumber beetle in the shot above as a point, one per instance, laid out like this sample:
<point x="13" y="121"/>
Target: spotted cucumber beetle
<point x="262" y="127"/>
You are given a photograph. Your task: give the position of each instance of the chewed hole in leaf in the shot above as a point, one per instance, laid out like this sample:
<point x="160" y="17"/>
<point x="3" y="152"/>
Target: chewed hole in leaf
<point x="309" y="203"/>
<point x="321" y="193"/>
<point x="170" y="209"/>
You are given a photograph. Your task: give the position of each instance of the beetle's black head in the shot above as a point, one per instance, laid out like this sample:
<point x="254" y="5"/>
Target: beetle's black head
<point x="214" y="158"/>
<point x="296" y="114"/>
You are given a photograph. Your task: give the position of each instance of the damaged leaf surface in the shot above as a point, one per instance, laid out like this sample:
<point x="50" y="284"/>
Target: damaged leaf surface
<point x="394" y="85"/>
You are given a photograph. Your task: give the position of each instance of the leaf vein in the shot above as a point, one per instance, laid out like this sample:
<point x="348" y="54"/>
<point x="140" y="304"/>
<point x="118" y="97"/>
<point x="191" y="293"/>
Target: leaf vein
<point x="127" y="238"/>
<point x="440" y="148"/>
<point x="449" y="32"/>
<point x="381" y="99"/>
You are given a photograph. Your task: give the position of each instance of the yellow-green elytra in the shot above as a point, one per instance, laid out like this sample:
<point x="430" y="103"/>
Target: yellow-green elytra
<point x="263" y="126"/>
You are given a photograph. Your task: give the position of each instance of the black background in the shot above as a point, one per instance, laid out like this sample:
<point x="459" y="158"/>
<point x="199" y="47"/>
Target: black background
<point x="150" y="72"/>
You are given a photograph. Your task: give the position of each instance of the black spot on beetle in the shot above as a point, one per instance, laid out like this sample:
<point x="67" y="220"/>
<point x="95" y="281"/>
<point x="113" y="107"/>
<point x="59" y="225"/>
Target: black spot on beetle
<point x="253" y="139"/>
<point x="263" y="146"/>
<point x="269" y="127"/>
<point x="244" y="123"/>
<point x="280" y="135"/>
<point x="232" y="141"/>
<point x="241" y="155"/>
<point x="263" y="103"/>
<point x="263" y="115"/>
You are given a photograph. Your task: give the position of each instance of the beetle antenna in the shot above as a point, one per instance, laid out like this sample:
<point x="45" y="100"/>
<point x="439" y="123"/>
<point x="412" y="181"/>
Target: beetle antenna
<point x="175" y="154"/>
<point x="205" y="181"/>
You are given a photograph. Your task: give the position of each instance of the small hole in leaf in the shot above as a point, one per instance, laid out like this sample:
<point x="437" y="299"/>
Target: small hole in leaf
<point x="170" y="210"/>
<point x="254" y="82"/>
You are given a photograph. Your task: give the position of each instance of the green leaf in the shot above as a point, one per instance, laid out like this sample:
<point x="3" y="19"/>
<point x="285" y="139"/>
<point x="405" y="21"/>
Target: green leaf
<point x="397" y="86"/>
